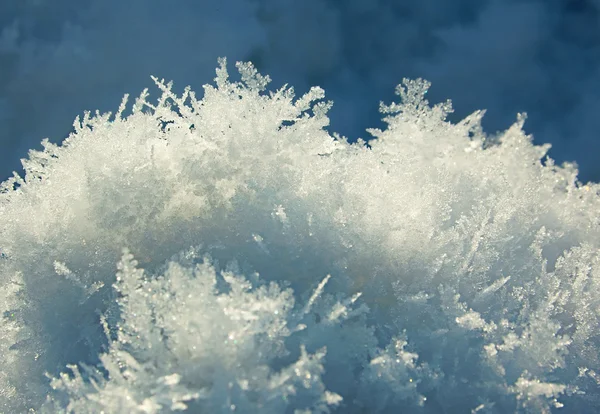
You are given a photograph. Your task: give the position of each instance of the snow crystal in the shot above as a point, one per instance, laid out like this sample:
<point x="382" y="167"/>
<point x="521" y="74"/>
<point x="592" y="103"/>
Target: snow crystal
<point x="272" y="267"/>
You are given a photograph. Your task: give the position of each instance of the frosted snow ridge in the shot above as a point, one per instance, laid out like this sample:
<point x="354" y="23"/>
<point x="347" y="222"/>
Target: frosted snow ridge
<point x="227" y="254"/>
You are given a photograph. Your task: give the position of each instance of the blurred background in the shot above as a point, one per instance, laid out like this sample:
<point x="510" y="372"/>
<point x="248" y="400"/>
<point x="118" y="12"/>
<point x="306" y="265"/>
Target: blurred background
<point x="61" y="57"/>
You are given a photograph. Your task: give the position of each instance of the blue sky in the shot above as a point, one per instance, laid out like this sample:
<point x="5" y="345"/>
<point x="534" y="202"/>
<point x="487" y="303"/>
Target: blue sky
<point x="59" y="58"/>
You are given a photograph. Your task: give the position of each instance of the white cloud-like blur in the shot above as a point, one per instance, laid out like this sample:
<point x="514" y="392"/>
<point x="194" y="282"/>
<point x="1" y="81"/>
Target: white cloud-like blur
<point x="59" y="58"/>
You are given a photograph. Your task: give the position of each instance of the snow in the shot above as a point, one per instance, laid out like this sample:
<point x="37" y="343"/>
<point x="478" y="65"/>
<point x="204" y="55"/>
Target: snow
<point x="229" y="254"/>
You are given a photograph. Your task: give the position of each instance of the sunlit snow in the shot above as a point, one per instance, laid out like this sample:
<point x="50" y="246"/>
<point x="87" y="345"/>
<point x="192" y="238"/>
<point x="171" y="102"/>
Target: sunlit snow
<point x="228" y="254"/>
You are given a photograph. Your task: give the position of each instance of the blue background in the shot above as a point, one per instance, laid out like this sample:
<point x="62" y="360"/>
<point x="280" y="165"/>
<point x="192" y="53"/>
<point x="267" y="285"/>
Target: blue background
<point x="61" y="57"/>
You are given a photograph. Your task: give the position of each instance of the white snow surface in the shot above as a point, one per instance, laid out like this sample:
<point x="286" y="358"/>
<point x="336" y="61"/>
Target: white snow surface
<point x="228" y="254"/>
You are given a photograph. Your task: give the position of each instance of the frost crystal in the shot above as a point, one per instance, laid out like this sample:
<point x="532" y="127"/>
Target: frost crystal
<point x="272" y="267"/>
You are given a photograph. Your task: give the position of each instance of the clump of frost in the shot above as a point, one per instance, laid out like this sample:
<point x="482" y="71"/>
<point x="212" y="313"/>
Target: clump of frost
<point x="181" y="342"/>
<point x="280" y="269"/>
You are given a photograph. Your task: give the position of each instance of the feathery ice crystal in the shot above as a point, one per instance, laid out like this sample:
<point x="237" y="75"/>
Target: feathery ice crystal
<point x="229" y="255"/>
